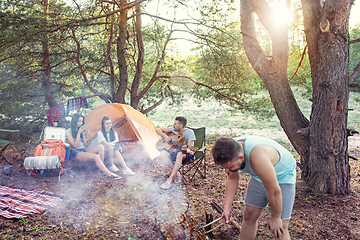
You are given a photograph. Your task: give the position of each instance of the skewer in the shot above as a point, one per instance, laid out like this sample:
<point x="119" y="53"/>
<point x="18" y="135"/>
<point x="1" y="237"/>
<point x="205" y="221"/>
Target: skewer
<point x="214" y="228"/>
<point x="216" y="220"/>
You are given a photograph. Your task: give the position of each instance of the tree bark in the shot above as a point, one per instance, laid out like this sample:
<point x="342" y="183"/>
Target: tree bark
<point x="273" y="70"/>
<point x="327" y="35"/>
<point x="322" y="141"/>
<point x="121" y="53"/>
<point x="111" y="64"/>
<point x="45" y="64"/>
<point x="135" y="98"/>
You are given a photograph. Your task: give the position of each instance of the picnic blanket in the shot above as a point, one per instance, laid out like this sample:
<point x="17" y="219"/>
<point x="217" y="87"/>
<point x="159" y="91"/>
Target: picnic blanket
<point x="19" y="203"/>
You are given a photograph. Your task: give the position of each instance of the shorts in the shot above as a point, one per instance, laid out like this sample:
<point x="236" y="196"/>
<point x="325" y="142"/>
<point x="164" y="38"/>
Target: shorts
<point x="189" y="156"/>
<point x="75" y="152"/>
<point x="256" y="196"/>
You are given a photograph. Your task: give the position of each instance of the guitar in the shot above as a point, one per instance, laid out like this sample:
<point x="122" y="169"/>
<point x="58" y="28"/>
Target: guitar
<point x="176" y="141"/>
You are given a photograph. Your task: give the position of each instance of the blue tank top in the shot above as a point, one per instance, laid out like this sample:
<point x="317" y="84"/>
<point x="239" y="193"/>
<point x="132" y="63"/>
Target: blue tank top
<point x="286" y="167"/>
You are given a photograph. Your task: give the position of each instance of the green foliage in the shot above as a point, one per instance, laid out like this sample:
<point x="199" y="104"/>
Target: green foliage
<point x="222" y="63"/>
<point x="23" y="25"/>
<point x="308" y="198"/>
<point x="355" y="52"/>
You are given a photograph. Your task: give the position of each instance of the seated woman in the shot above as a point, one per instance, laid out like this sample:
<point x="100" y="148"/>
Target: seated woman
<point x="76" y="136"/>
<point x="109" y="139"/>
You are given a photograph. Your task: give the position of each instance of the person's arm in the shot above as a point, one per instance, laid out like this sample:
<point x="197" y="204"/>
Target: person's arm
<point x="231" y="186"/>
<point x="101" y="139"/>
<point x="186" y="147"/>
<point x="260" y="160"/>
<point x="74" y="142"/>
<point x="116" y="141"/>
<point x="162" y="133"/>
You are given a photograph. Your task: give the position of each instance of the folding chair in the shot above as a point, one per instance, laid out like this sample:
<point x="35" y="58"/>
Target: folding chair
<point x="4" y="143"/>
<point x="189" y="169"/>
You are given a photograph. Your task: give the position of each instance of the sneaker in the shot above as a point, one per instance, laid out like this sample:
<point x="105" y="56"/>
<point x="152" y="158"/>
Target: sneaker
<point x="113" y="176"/>
<point x="128" y="171"/>
<point x="113" y="168"/>
<point x="165" y="186"/>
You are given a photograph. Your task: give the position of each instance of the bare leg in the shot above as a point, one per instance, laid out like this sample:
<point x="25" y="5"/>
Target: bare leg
<point x="88" y="157"/>
<point x="250" y="222"/>
<point x="109" y="151"/>
<point x="177" y="165"/>
<point x="120" y="159"/>
<point x="286" y="235"/>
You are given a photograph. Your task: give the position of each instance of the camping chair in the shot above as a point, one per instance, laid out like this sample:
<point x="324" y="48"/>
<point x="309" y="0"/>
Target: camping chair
<point x="189" y="169"/>
<point x="4" y="143"/>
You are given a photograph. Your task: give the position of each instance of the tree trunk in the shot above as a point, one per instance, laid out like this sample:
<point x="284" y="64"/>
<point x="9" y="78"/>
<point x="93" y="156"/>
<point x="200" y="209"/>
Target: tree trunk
<point x="45" y="64"/>
<point x="121" y="53"/>
<point x="322" y="142"/>
<point x="273" y="71"/>
<point x="327" y="35"/>
<point x="135" y="98"/>
<point x="111" y="64"/>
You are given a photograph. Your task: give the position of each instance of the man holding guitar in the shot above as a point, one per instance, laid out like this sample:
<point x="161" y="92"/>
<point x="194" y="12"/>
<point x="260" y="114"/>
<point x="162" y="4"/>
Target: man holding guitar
<point x="177" y="145"/>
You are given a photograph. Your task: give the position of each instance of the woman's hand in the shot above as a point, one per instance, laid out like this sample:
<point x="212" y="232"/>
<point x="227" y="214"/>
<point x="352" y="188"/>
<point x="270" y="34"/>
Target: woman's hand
<point x="82" y="129"/>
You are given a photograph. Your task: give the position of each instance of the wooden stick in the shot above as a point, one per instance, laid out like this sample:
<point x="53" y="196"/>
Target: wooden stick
<point x="220" y="210"/>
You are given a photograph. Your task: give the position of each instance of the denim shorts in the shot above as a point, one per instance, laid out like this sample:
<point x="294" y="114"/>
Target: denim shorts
<point x="256" y="196"/>
<point x="189" y="156"/>
<point x="75" y="152"/>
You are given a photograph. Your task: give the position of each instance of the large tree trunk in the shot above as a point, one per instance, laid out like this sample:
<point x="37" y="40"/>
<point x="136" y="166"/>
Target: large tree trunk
<point x="121" y="53"/>
<point x="322" y="142"/>
<point x="135" y="98"/>
<point x="45" y="65"/>
<point x="273" y="71"/>
<point x="327" y="35"/>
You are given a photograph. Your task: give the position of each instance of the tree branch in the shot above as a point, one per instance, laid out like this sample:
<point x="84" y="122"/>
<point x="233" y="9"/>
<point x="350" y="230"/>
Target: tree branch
<point x="302" y="58"/>
<point x="207" y="86"/>
<point x="354" y="74"/>
<point x="144" y="111"/>
<point x="82" y="70"/>
<point x="128" y="6"/>
<point x="154" y="77"/>
<point x="354" y="41"/>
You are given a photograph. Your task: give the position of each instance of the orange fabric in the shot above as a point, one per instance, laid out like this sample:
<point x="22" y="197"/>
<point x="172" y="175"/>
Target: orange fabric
<point x="130" y="124"/>
<point x="51" y="147"/>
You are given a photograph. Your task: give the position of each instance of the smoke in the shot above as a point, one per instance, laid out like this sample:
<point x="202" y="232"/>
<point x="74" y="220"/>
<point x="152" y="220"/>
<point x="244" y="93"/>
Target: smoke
<point x="92" y="200"/>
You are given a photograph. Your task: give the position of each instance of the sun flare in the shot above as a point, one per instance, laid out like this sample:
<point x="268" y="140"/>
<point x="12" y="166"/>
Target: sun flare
<point x="281" y="15"/>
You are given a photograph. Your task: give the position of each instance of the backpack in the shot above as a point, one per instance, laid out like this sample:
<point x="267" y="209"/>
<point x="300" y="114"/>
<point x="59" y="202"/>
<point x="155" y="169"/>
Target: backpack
<point x="51" y="147"/>
<point x="49" y="155"/>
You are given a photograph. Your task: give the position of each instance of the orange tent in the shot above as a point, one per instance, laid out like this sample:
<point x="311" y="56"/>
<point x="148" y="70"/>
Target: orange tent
<point x="136" y="131"/>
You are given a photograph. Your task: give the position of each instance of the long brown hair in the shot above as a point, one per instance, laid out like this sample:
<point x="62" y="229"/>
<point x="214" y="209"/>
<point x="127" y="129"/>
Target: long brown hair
<point x="74" y="127"/>
<point x="112" y="133"/>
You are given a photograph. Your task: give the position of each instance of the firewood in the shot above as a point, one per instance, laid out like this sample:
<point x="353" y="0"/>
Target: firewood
<point x="220" y="210"/>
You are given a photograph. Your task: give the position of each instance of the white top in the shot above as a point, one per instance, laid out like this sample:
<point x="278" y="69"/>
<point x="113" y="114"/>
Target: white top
<point x="100" y="137"/>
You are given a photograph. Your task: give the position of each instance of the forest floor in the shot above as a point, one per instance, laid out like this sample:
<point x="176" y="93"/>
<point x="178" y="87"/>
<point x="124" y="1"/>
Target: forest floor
<point x="93" y="207"/>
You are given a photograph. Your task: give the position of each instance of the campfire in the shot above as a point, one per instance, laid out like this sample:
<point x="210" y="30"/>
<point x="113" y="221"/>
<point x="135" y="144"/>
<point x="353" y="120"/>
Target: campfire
<point x="182" y="230"/>
<point x="185" y="230"/>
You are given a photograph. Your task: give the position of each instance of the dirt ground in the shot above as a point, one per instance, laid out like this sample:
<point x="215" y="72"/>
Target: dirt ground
<point x="134" y="207"/>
